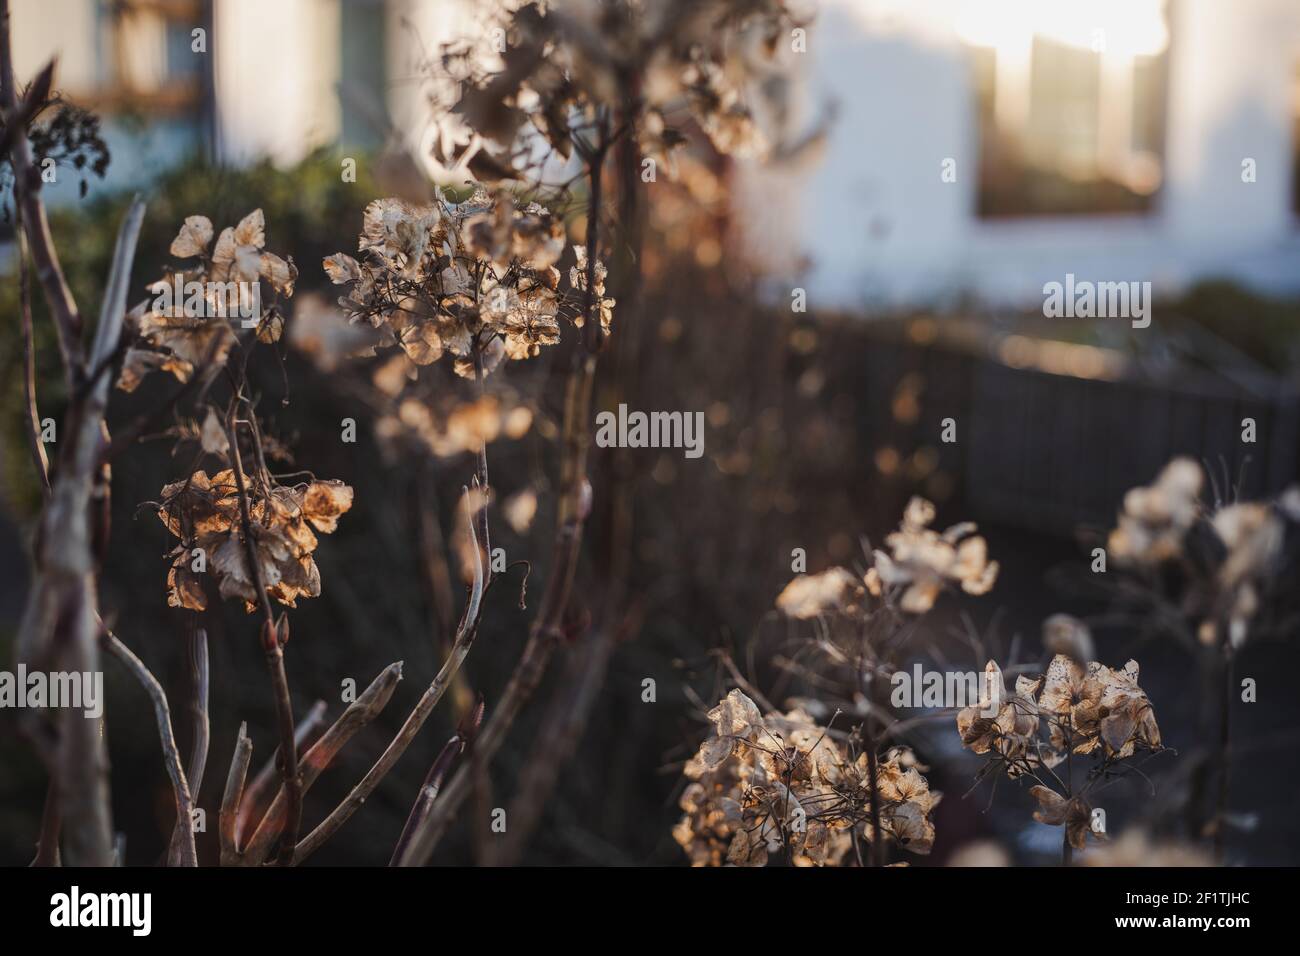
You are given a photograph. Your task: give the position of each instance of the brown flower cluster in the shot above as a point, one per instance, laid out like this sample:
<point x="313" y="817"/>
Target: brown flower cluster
<point x="447" y="428"/>
<point x="204" y="513"/>
<point x="1073" y="709"/>
<point x="1229" y="553"/>
<point x="922" y="561"/>
<point x="1082" y="708"/>
<point x="763" y="786"/>
<point x="177" y="334"/>
<point x="1155" y="518"/>
<point x="564" y="63"/>
<point x="471" y="279"/>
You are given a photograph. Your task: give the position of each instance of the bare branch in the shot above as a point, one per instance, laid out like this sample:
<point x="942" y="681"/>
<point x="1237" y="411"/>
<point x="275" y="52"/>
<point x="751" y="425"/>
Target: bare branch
<point x="574" y="506"/>
<point x="232" y="796"/>
<point x="252" y="807"/>
<point x="171" y="755"/>
<point x="288" y="755"/>
<point x="37" y="447"/>
<point x="361" y="712"/>
<point x="428" y="700"/>
<point x="198" y="657"/>
<point x="454" y="747"/>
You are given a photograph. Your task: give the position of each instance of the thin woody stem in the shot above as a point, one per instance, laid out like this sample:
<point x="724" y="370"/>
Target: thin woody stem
<point x="252" y="806"/>
<point x="171" y="754"/>
<point x="233" y="796"/>
<point x="465" y="635"/>
<point x="484" y="538"/>
<point x="198" y="705"/>
<point x="1222" y="757"/>
<point x="361" y="712"/>
<point x="37" y="447"/>
<point x="288" y="756"/>
<point x="546" y="631"/>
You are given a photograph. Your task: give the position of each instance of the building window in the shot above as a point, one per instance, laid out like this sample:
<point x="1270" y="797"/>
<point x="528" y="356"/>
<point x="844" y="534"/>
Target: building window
<point x="149" y="66"/>
<point x="1070" y="106"/>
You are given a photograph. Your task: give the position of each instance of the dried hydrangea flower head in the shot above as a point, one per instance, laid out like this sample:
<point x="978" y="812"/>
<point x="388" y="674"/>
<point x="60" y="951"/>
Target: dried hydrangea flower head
<point x="777" y="784"/>
<point x="565" y="62"/>
<point x="1092" y="708"/>
<point x="445" y="427"/>
<point x="1001" y="723"/>
<point x="1126" y="717"/>
<point x="923" y="561"/>
<point x="204" y="514"/>
<point x="476" y="280"/>
<point x="1252" y="534"/>
<point x="179" y="332"/>
<point x="1087" y="710"/>
<point x="810" y="596"/>
<point x="1227" y="556"/>
<point x="1154" y="519"/>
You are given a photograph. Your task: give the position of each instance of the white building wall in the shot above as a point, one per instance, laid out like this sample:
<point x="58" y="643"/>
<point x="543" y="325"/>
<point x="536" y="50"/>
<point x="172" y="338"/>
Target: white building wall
<point x="879" y="227"/>
<point x="276" y="69"/>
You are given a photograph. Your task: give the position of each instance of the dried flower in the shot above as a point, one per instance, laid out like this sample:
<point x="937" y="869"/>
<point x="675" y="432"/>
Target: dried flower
<point x="925" y="561"/>
<point x="178" y="332"/>
<point x="1154" y="519"/>
<point x="812" y="595"/>
<point x="475" y="279"/>
<point x="204" y="514"/>
<point x="1085" y="708"/>
<point x="1252" y="533"/>
<point x="1002" y="723"/>
<point x="763" y="785"/>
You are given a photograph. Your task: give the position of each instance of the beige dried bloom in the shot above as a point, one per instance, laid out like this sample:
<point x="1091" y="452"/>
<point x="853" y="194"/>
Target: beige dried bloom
<point x="1226" y="557"/>
<point x="1001" y="723"/>
<point x="812" y="595"/>
<point x="980" y="853"/>
<point x="188" y="321"/>
<point x="922" y="561"/>
<point x="1064" y="634"/>
<point x="204" y="514"/>
<point x="1085" y="709"/>
<point x="578" y="279"/>
<point x="446" y="427"/>
<point x="1252" y="533"/>
<point x="776" y="784"/>
<point x="709" y="61"/>
<point x="475" y="280"/>
<point x="1154" y="519"/>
